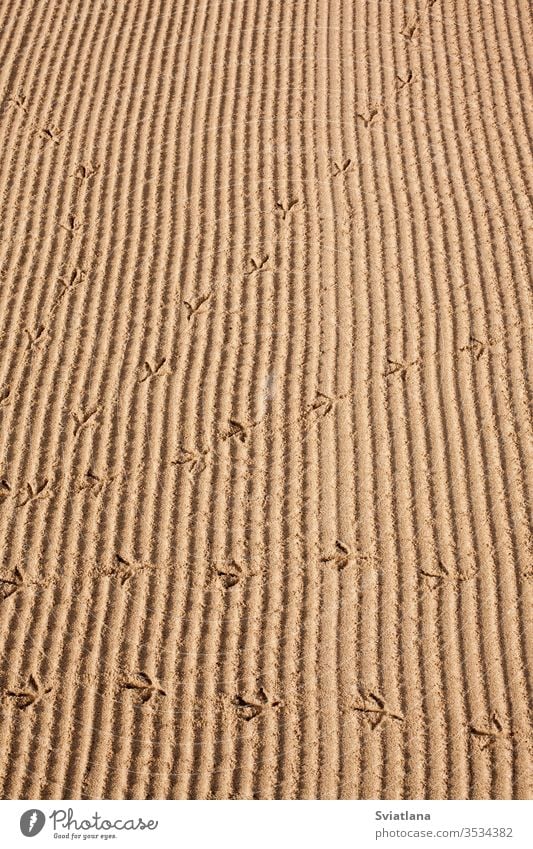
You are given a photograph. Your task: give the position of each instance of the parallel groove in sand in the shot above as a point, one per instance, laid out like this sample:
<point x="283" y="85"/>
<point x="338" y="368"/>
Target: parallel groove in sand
<point x="200" y="118"/>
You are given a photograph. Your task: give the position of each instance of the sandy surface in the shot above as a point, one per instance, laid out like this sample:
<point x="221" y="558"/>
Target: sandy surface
<point x="265" y="425"/>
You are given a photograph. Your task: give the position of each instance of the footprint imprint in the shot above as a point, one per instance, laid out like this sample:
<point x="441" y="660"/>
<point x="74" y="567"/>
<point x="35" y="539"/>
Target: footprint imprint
<point x="236" y="429"/>
<point x="80" y="421"/>
<point x="10" y="587"/>
<point x="341" y="558"/>
<point x="342" y="168"/>
<point x="410" y="30"/>
<point x="194" y="460"/>
<point x="442" y="576"/>
<point x="144" y="687"/>
<point x="258" y="265"/>
<point x="491" y="734"/>
<point x="399" y="368"/>
<point x="51" y="133"/>
<point x="93" y="483"/>
<point x="33" y="493"/>
<point x="36" y="338"/>
<point x="33" y="693"/>
<point x="404" y="81"/>
<point x="375" y="710"/>
<point x="475" y="347"/>
<point x="369" y="119"/>
<point x="127" y="569"/>
<point x="73" y="224"/>
<point x="84" y="172"/>
<point x="193" y="307"/>
<point x="229" y="573"/>
<point x="18" y="101"/>
<point x="75" y="277"/>
<point x="152" y="371"/>
<point x="285" y="210"/>
<point x="248" y="709"/>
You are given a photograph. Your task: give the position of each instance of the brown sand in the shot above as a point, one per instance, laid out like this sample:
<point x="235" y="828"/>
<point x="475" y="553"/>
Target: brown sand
<point x="265" y="317"/>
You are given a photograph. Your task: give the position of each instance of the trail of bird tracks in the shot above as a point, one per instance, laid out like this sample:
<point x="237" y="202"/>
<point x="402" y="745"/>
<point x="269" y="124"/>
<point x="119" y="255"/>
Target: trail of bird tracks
<point x="265" y="432"/>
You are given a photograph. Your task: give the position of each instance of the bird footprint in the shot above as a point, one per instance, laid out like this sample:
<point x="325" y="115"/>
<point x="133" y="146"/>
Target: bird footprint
<point x="248" y="709"/>
<point x="143" y="685"/>
<point x="33" y="693"/>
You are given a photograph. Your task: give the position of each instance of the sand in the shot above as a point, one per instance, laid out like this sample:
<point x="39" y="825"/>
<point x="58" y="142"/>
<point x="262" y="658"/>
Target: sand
<point x="264" y="399"/>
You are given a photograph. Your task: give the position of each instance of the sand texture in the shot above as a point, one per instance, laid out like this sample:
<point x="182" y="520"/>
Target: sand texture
<point x="265" y="457"/>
